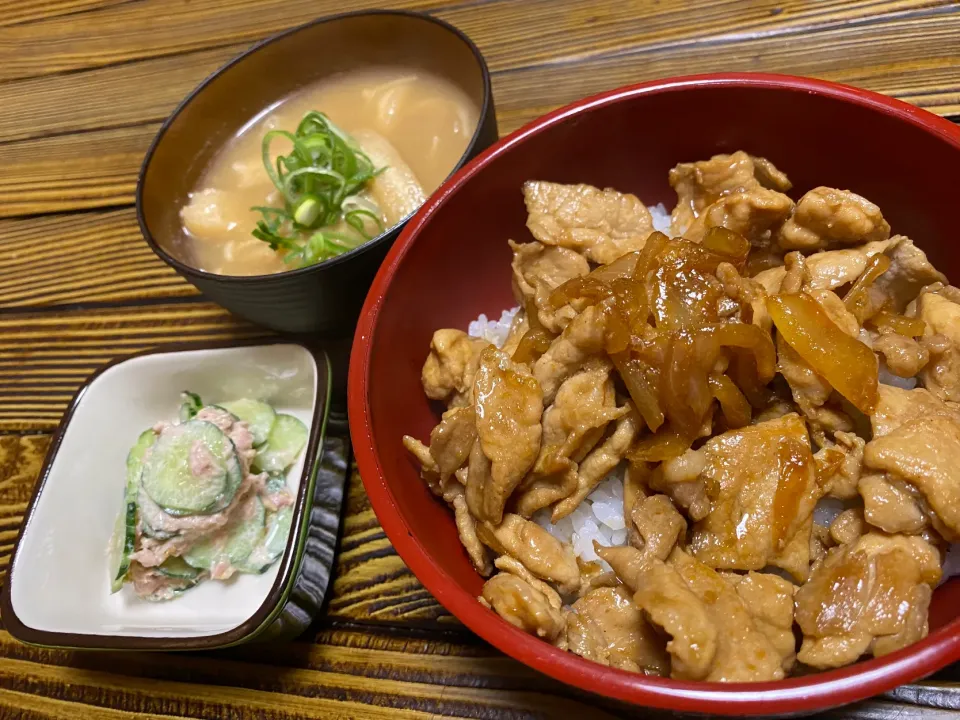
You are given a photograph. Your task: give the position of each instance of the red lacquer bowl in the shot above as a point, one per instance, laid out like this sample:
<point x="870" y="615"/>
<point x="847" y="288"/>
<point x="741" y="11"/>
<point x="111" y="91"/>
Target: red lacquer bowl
<point x="452" y="263"/>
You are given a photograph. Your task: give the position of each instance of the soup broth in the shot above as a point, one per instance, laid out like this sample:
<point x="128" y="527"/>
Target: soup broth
<point x="414" y="124"/>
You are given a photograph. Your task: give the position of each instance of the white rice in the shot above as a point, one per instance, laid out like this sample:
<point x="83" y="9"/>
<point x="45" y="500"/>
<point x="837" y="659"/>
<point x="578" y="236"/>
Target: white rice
<point x="884" y="375"/>
<point x="661" y="218"/>
<point x="494" y="331"/>
<point x="951" y="562"/>
<point x="828" y="508"/>
<point x="599" y="517"/>
<point x="888" y="378"/>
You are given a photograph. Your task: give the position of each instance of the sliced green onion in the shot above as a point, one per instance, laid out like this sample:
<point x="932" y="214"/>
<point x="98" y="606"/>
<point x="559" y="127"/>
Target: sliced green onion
<point x="274" y="174"/>
<point x="354" y="219"/>
<point x="319" y="181"/>
<point x="329" y="178"/>
<point x="308" y="210"/>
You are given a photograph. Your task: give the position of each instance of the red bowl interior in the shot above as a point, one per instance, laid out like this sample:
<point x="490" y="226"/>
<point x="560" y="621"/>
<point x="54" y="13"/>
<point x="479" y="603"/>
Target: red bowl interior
<point x="452" y="262"/>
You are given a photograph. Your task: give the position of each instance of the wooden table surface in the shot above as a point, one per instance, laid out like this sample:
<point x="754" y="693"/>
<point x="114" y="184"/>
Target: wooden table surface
<point x="85" y="84"/>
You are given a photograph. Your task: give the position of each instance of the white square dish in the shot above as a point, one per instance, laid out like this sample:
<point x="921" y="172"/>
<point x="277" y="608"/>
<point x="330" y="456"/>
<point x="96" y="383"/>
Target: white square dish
<point x="58" y="588"/>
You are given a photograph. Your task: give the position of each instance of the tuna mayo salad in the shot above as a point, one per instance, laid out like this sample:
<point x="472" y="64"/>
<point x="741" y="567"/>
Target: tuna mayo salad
<point x="206" y="497"/>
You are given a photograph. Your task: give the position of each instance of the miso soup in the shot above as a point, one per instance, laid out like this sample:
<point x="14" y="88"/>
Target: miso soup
<point x="349" y="157"/>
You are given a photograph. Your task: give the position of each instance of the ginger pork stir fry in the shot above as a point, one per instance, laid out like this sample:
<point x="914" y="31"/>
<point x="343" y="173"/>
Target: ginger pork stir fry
<point x="644" y="465"/>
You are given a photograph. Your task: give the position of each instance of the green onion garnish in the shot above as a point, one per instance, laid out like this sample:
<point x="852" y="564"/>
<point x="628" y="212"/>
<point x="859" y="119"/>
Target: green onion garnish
<point x="319" y="182"/>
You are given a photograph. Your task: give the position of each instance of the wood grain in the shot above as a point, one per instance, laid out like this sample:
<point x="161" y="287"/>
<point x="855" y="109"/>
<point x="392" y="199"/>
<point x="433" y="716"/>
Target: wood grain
<point x="545" y="32"/>
<point x="338" y="672"/>
<point x="912" y="56"/>
<point x="106" y="98"/>
<point x="44" y="357"/>
<point x="893" y="57"/>
<point x="152" y="28"/>
<point x="36" y="707"/>
<point x="14" y="12"/>
<point x="111" y="96"/>
<point x="92" y="169"/>
<point x="21" y="458"/>
<point x="315" y="679"/>
<point x="371" y="582"/>
<point x="89" y="257"/>
<point x="510" y="34"/>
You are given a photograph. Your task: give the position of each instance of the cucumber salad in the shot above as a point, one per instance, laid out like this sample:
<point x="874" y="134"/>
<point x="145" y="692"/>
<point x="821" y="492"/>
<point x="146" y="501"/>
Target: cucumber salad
<point x="206" y="497"/>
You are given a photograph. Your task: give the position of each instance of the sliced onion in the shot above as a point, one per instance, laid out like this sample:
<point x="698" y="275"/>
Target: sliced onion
<point x="846" y="363"/>
<point x="736" y="409"/>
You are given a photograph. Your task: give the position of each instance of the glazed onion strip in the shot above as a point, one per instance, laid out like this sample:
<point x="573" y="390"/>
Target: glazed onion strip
<point x="899" y="324"/>
<point x="736" y="409"/>
<point x="641" y="382"/>
<point x="857" y="298"/>
<point x="846" y="363"/>
<point x="663" y="445"/>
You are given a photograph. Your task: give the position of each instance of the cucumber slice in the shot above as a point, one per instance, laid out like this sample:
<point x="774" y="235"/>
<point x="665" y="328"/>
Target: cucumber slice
<point x="276" y="482"/>
<point x="286" y="440"/>
<point x="135" y="458"/>
<point x="234" y="545"/>
<point x="152" y="532"/>
<point x="193" y="469"/>
<point x="177" y="567"/>
<point x="278" y="531"/>
<point x="220" y="408"/>
<point x="124" y="537"/>
<point x="190" y="405"/>
<point x="171" y="585"/>
<point x="151" y="517"/>
<point x="122" y="545"/>
<point x="258" y="416"/>
<point x="274" y="542"/>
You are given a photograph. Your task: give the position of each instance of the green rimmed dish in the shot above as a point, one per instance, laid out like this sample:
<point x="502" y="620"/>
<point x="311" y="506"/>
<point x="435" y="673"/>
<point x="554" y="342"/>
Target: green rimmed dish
<point x="58" y="589"/>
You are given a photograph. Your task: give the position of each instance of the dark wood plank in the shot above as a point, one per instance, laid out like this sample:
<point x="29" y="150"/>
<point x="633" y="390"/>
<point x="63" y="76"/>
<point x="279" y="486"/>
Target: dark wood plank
<point x="112" y="96"/>
<point x="74" y="122"/>
<point x="365" y="674"/>
<point x="14" y="12"/>
<point x="92" y="169"/>
<point x="379" y="652"/>
<point x="44" y="357"/>
<point x="153" y="28"/>
<point x="88" y="257"/>
<point x="106" y="98"/>
<point x="213" y="687"/>
<point x="371" y="582"/>
<point x="327" y="678"/>
<point x="21" y="458"/>
<point x="545" y="32"/>
<point x="904" y="57"/>
<point x="511" y="34"/>
<point x="28" y="706"/>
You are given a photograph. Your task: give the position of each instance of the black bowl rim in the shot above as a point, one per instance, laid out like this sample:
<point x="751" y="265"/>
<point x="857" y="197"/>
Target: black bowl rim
<point x="189" y="271"/>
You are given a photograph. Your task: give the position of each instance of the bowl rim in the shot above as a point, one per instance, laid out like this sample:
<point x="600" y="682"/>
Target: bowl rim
<point x="802" y="694"/>
<point x="190" y="271"/>
<point x="290" y="561"/>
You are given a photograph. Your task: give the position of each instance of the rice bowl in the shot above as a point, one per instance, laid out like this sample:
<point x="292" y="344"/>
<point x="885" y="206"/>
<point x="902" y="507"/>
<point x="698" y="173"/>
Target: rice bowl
<point x="447" y="574"/>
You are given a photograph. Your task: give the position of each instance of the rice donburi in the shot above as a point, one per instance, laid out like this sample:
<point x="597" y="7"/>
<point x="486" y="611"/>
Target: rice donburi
<point x="701" y="431"/>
